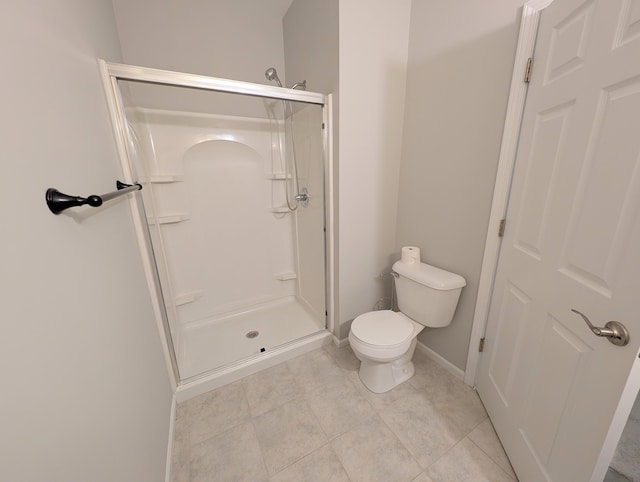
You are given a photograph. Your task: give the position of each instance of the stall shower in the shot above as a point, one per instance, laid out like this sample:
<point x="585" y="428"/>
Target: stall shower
<point x="232" y="211"/>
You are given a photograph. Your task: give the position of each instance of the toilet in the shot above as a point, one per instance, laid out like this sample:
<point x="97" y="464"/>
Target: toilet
<point x="384" y="341"/>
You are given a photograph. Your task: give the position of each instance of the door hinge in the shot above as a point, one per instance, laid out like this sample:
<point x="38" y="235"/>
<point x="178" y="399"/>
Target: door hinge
<point x="323" y="125"/>
<point x="527" y="71"/>
<point x="481" y="345"/>
<point x="503" y="223"/>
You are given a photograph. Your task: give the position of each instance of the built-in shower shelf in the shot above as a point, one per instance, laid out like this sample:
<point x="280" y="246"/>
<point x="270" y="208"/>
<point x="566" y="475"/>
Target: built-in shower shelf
<point x="280" y="210"/>
<point x="279" y="176"/>
<point x="185" y="298"/>
<point x="169" y="219"/>
<point x="164" y="179"/>
<point x="286" y="276"/>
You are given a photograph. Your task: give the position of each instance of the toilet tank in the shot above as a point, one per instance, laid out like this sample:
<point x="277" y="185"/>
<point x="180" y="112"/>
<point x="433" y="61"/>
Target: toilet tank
<point x="427" y="294"/>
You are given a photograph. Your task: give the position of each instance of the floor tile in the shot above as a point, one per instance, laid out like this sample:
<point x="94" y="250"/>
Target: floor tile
<point x="451" y="396"/>
<point x="635" y="410"/>
<point x="288" y="433"/>
<point x="270" y="388"/>
<point x="428" y="372"/>
<point x="372" y="453"/>
<point x="422" y="478"/>
<point x="339" y="407"/>
<point x="626" y="460"/>
<point x="307" y="364"/>
<point x="466" y="463"/>
<point x="216" y="411"/>
<point x="320" y="466"/>
<point x="312" y="419"/>
<point x="231" y="455"/>
<point x="181" y="448"/>
<point x="484" y="436"/>
<point x="382" y="401"/>
<point x="613" y="476"/>
<point x="316" y="371"/>
<point x="424" y="430"/>
<point x="344" y="357"/>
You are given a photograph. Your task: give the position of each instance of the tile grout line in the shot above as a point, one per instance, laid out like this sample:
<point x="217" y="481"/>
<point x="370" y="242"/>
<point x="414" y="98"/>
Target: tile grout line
<point x="338" y="459"/>
<point x="413" y="456"/>
<point x="491" y="458"/>
<point x="443" y="455"/>
<point x="303" y="395"/>
<point x="499" y="441"/>
<point x="328" y="443"/>
<point x="255" y="431"/>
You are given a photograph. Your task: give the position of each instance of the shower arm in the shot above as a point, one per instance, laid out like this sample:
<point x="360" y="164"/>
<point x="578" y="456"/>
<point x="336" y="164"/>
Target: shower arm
<point x="301" y="85"/>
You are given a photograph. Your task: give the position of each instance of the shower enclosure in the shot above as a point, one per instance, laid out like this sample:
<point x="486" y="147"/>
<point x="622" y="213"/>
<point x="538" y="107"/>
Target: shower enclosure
<point x="237" y="274"/>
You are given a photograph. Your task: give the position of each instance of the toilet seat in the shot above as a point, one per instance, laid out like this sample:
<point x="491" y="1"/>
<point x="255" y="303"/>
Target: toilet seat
<point x="382" y="328"/>
<point x="382" y="334"/>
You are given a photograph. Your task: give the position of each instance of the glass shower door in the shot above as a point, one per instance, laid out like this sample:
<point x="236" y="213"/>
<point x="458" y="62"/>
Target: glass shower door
<point x="240" y="263"/>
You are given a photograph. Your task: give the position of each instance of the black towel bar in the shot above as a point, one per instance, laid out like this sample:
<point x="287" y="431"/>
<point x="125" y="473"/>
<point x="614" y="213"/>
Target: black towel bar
<point x="58" y="201"/>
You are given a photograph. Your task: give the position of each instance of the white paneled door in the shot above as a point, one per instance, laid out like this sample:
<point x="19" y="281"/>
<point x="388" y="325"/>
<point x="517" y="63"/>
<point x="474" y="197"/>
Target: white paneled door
<point x="550" y="385"/>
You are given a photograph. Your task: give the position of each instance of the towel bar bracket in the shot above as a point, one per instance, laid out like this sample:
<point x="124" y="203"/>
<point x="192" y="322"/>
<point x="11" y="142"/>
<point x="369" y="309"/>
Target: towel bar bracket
<point x="58" y="201"/>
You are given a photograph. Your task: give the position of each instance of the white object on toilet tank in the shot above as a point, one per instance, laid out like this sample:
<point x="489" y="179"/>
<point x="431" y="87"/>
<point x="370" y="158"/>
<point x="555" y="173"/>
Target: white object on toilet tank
<point x="410" y="255"/>
<point x="427" y="294"/>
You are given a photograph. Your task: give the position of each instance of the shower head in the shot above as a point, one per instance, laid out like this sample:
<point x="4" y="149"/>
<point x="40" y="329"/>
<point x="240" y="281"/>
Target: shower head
<point x="271" y="75"/>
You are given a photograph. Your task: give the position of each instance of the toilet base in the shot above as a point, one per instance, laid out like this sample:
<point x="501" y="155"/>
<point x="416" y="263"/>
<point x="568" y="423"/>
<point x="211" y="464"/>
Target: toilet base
<point x="380" y="377"/>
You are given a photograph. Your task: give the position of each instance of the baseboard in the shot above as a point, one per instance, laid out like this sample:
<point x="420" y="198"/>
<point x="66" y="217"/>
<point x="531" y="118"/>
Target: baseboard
<point x="340" y="343"/>
<point x="172" y="428"/>
<point x="444" y="363"/>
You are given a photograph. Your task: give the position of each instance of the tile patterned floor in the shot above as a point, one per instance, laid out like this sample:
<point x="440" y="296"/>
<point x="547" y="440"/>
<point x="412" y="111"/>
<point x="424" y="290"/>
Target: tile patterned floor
<point x="311" y="419"/>
<point x="626" y="463"/>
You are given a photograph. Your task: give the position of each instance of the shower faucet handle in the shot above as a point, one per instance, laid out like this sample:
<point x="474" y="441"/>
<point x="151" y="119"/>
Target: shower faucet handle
<point x="303" y="197"/>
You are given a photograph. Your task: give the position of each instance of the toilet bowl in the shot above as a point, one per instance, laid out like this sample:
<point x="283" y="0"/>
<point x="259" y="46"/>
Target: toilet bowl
<point x="385" y="341"/>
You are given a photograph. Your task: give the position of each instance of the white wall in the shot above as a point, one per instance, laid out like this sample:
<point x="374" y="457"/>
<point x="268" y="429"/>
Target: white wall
<point x="311" y="54"/>
<point x="85" y="392"/>
<point x="374" y="39"/>
<point x="460" y="62"/>
<point x="311" y="44"/>
<point x="233" y="39"/>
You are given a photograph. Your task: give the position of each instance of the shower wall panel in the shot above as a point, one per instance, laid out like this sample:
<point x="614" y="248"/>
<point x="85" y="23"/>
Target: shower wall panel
<point x="213" y="197"/>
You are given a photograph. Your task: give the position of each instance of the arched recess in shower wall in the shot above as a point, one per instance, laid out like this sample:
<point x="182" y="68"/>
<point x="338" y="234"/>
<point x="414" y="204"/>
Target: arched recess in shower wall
<point x="238" y="280"/>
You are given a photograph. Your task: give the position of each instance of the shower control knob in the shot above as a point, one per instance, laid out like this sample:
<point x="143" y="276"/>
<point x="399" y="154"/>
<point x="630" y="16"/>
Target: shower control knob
<point x="303" y="197"/>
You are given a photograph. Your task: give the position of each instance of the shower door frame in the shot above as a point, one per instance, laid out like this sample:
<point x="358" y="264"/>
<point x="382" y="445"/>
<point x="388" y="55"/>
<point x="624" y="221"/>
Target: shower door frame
<point x="113" y="72"/>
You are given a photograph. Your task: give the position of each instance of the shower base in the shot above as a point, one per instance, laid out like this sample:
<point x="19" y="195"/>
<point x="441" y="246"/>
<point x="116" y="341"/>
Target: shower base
<point x="222" y="341"/>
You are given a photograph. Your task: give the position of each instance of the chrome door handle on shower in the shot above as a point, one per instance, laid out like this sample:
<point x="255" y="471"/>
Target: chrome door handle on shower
<point x="614" y="331"/>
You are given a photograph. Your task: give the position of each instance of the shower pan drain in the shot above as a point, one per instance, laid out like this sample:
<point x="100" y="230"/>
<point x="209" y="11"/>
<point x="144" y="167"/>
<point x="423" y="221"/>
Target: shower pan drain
<point x="252" y="334"/>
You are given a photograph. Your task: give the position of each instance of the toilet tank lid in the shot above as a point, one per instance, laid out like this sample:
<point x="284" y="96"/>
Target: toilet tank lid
<point x="430" y="276"/>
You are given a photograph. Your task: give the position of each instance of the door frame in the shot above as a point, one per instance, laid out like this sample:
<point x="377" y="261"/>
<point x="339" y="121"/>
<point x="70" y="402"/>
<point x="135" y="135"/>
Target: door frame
<point x="531" y="12"/>
<point x="515" y="108"/>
